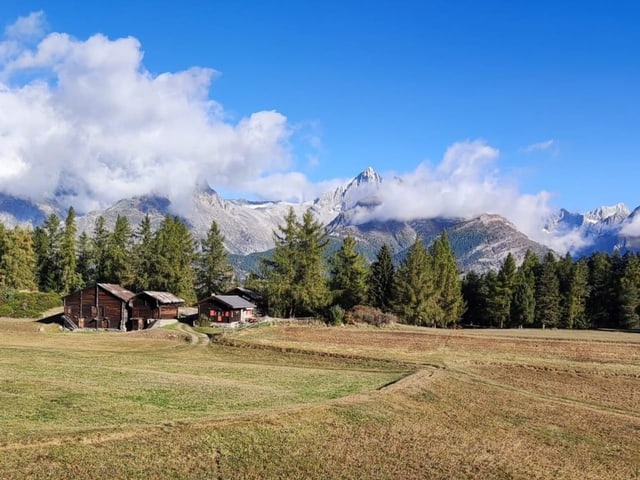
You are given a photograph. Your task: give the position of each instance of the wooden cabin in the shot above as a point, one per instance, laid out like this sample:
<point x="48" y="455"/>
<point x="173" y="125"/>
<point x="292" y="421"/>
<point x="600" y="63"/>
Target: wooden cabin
<point x="226" y="309"/>
<point x="250" y="296"/>
<point x="148" y="306"/>
<point x="103" y="305"/>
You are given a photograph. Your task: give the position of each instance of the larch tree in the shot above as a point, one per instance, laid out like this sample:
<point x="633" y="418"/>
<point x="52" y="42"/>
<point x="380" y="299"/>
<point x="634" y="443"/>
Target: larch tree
<point x="348" y="282"/>
<point x="118" y="265"/>
<point x="548" y="308"/>
<point x="85" y="264"/>
<point x="47" y="245"/>
<point x="144" y="255"/>
<point x="100" y="250"/>
<point x="18" y="261"/>
<point x="449" y="303"/>
<point x="71" y="279"/>
<point x="381" y="280"/>
<point x="502" y="292"/>
<point x="576" y="302"/>
<point x="214" y="274"/>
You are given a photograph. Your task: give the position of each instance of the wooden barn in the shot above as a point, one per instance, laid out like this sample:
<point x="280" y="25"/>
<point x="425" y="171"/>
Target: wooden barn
<point x="148" y="306"/>
<point x="227" y="308"/>
<point x="103" y="305"/>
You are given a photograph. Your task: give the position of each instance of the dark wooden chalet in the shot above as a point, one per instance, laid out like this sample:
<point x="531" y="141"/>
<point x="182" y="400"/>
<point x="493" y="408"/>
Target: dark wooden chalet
<point x="250" y="296"/>
<point x="148" y="306"/>
<point x="103" y="305"/>
<point x="227" y="308"/>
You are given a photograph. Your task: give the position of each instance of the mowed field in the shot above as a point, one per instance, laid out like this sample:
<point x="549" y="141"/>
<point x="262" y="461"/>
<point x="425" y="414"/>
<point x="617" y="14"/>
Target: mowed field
<point x="299" y="402"/>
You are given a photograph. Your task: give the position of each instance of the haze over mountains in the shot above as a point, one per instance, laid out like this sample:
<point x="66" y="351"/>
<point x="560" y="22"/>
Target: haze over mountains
<point x="358" y="208"/>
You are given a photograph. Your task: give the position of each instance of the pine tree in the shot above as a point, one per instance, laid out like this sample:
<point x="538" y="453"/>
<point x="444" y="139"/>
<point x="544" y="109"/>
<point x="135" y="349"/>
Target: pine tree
<point x="118" y="268"/>
<point x="71" y="280"/>
<point x="577" y="297"/>
<point x="548" y="294"/>
<point x="414" y="288"/>
<point x="175" y="254"/>
<point x="601" y="299"/>
<point x="47" y="245"/>
<point x="449" y="303"/>
<point x="473" y="292"/>
<point x="99" y="250"/>
<point x="502" y="291"/>
<point x="144" y="257"/>
<point x="214" y="274"/>
<point x="85" y="263"/>
<point x="348" y="282"/>
<point x="628" y="293"/>
<point x="381" y="279"/>
<point x="522" y="302"/>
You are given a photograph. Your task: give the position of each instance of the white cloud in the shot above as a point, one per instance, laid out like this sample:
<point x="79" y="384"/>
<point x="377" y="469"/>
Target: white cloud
<point x="631" y="228"/>
<point x="465" y="184"/>
<point x="27" y="28"/>
<point x="541" y="146"/>
<point x="92" y="125"/>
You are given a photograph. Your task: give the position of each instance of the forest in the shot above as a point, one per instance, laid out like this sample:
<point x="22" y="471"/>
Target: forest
<point x="300" y="277"/>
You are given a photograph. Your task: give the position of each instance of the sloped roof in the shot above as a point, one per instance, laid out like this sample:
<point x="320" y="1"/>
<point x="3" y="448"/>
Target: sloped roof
<point x="231" y="301"/>
<point x="245" y="291"/>
<point x="117" y="291"/>
<point x="163" y="297"/>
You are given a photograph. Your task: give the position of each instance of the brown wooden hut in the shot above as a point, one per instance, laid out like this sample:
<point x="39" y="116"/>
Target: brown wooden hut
<point x="148" y="306"/>
<point x="250" y="296"/>
<point x="103" y="305"/>
<point x="226" y="308"/>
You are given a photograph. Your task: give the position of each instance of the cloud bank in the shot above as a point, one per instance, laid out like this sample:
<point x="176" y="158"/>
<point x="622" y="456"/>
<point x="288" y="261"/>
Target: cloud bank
<point x="85" y="122"/>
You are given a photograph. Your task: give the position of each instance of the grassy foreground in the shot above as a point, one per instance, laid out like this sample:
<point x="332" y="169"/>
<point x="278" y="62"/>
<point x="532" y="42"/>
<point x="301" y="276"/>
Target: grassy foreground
<point x="318" y="402"/>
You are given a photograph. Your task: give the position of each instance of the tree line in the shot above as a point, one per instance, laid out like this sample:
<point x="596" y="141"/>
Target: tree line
<point x="601" y="291"/>
<point x="53" y="258"/>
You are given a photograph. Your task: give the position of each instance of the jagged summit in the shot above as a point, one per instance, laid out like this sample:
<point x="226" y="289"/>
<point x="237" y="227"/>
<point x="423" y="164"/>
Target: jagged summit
<point x="367" y="176"/>
<point x="612" y="214"/>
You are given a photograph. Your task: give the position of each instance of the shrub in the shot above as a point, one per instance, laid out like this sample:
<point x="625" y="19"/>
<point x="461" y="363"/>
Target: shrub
<point x="370" y="315"/>
<point x="335" y="315"/>
<point x="14" y="303"/>
<point x="203" y="321"/>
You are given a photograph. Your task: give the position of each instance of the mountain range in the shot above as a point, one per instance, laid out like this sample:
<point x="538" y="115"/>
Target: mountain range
<point x="480" y="243"/>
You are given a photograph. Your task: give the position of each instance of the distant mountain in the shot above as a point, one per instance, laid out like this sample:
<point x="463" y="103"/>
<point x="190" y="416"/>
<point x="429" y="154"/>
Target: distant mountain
<point x="602" y="229"/>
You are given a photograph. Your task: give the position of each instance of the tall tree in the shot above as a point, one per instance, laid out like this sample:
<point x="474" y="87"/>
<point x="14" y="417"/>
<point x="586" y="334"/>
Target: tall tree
<point x="578" y="293"/>
<point x="175" y="253"/>
<point x="85" y="265"/>
<point x="71" y="279"/>
<point x="118" y="267"/>
<point x="47" y="245"/>
<point x="100" y="250"/>
<point x="348" y="281"/>
<point x="449" y="303"/>
<point x="502" y="291"/>
<point x="414" y="298"/>
<point x="522" y="302"/>
<point x="548" y="294"/>
<point x="214" y="274"/>
<point x="628" y="293"/>
<point x="144" y="257"/>
<point x="381" y="279"/>
<point x="601" y="296"/>
<point x="18" y="261"/>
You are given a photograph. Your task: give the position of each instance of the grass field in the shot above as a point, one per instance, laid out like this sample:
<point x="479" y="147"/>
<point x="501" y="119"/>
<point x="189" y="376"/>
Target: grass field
<point x="319" y="402"/>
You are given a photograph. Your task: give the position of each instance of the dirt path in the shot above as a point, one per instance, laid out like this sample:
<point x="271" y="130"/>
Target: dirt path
<point x="195" y="338"/>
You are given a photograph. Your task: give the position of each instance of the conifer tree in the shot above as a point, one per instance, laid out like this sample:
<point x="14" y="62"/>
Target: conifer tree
<point x="85" y="263"/>
<point x="100" y="250"/>
<point x="414" y="298"/>
<point x="348" y="275"/>
<point x="214" y="274"/>
<point x="522" y="302"/>
<point x="381" y="280"/>
<point x="548" y="294"/>
<point x="144" y="257"/>
<point x="601" y="299"/>
<point x="17" y="262"/>
<point x="47" y="245"/>
<point x="628" y="293"/>
<point x="502" y="291"/>
<point x="71" y="280"/>
<point x="475" y="298"/>
<point x="577" y="297"/>
<point x="118" y="255"/>
<point x="449" y="303"/>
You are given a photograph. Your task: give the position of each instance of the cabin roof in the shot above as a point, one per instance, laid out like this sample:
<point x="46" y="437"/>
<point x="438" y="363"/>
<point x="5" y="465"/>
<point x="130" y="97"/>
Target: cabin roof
<point x="231" y="301"/>
<point x="162" y="297"/>
<point x="117" y="291"/>
<point x="249" y="293"/>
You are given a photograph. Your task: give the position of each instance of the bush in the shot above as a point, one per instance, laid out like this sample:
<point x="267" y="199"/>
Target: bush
<point x="203" y="321"/>
<point x="370" y="316"/>
<point x="27" y="304"/>
<point x="335" y="315"/>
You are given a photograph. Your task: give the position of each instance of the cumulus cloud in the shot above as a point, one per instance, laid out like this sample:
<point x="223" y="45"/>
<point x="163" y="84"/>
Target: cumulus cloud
<point x="631" y="227"/>
<point x="85" y="122"/>
<point x="465" y="184"/>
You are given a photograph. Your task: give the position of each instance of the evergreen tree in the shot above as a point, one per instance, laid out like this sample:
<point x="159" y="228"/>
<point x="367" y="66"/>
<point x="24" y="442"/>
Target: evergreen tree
<point x="71" y="280"/>
<point x="522" y="302"/>
<point x="381" y="279"/>
<point x="348" y="275"/>
<point x="214" y="274"/>
<point x="414" y="288"/>
<point x="474" y="294"/>
<point x="502" y="291"/>
<point x="85" y="265"/>
<point x="4" y="245"/>
<point x="100" y="251"/>
<point x="564" y="271"/>
<point x="18" y="261"/>
<point x="47" y="245"/>
<point x="577" y="297"/>
<point x="175" y="254"/>
<point x="144" y="255"/>
<point x="118" y="268"/>
<point x="601" y="299"/>
<point x="449" y="303"/>
<point x="628" y="293"/>
<point x="548" y="294"/>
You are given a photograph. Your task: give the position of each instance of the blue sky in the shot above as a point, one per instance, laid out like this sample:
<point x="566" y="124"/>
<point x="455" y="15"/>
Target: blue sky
<point x="552" y="87"/>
